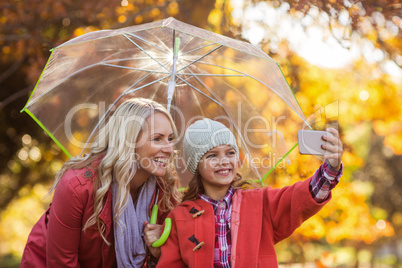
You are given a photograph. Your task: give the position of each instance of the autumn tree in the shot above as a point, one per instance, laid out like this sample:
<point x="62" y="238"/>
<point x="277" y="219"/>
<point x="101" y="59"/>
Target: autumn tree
<point x="361" y="215"/>
<point x="29" y="29"/>
<point x="370" y="126"/>
<point x="351" y="21"/>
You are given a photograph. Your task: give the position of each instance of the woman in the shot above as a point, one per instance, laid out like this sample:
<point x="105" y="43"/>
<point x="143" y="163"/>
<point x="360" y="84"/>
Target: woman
<point x="102" y="200"/>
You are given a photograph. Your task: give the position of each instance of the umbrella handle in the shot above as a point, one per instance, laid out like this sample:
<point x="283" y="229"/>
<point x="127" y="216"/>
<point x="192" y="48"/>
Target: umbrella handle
<point x="166" y="231"/>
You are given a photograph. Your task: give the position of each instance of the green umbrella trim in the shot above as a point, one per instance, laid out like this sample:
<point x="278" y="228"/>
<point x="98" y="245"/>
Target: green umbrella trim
<point x="40" y="77"/>
<point x="283" y="157"/>
<point x="176" y="46"/>
<point x="291" y="91"/>
<point x="277" y="163"/>
<point x="175" y="51"/>
<point x="36" y="119"/>
<point x="48" y="132"/>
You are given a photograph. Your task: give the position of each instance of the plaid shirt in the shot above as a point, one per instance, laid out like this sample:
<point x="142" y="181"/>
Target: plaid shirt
<point x="322" y="182"/>
<point x="223" y="241"/>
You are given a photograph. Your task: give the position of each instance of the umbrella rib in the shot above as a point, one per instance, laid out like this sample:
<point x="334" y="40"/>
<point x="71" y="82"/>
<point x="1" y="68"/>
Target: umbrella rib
<point x="256" y="79"/>
<point x="237" y="130"/>
<point x="132" y="68"/>
<point x="245" y="75"/>
<point x="81" y="70"/>
<point x="145" y="52"/>
<point x="198" y="102"/>
<point x="196" y="89"/>
<point x="107" y="59"/>
<point x="127" y="92"/>
<point x="121" y="96"/>
<point x="203" y="56"/>
<point x="131" y="91"/>
<point x="279" y="133"/>
<point x="198" y="48"/>
<point x="223" y="107"/>
<point x="154" y="94"/>
<point x="219" y="66"/>
<point x="241" y="74"/>
<point x="64" y="79"/>
<point x="132" y="58"/>
<point x="216" y="75"/>
<point x="145" y="41"/>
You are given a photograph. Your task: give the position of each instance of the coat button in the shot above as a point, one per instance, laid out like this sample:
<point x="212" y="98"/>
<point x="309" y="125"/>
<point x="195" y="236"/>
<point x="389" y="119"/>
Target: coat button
<point x="88" y="174"/>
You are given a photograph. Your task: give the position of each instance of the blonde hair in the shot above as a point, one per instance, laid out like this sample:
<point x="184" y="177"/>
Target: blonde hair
<point x="115" y="140"/>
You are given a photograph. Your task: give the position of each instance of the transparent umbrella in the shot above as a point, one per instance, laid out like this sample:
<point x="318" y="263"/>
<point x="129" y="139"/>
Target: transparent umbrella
<point x="194" y="72"/>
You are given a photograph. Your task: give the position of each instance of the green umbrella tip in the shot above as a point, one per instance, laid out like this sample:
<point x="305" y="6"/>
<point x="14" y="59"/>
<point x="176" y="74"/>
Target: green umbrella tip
<point x="176" y="46"/>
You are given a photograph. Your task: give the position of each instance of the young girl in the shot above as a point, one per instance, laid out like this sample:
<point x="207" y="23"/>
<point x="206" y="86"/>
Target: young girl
<point x="221" y="225"/>
<point x="101" y="201"/>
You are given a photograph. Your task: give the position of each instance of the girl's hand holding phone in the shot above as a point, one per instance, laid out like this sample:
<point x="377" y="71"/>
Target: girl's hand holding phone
<point x="334" y="148"/>
<point x="325" y="143"/>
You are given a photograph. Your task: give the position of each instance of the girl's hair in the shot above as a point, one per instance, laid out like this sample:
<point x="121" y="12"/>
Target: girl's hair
<point x="115" y="142"/>
<point x="195" y="186"/>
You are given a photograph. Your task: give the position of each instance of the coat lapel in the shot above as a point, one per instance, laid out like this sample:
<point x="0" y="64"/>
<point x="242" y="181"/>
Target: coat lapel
<point x="249" y="229"/>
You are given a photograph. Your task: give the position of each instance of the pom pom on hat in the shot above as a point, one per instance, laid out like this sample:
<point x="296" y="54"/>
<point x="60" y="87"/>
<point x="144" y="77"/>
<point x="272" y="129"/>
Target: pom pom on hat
<point x="202" y="136"/>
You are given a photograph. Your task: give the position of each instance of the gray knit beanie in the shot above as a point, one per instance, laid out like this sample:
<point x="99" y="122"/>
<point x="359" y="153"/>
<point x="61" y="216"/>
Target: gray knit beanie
<point x="202" y="136"/>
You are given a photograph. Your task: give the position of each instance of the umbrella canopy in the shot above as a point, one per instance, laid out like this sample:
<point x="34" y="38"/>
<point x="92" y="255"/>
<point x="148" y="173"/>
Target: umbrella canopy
<point x="194" y="72"/>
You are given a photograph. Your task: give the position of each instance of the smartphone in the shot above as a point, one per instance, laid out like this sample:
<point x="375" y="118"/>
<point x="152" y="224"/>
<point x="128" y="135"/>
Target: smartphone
<point x="310" y="141"/>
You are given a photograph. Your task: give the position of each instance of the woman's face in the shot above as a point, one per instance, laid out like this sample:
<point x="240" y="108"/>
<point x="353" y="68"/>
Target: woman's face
<point x="218" y="167"/>
<point x="154" y="145"/>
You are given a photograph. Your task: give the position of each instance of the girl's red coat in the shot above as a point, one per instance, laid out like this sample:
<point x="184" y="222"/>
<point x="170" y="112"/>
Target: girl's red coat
<point x="260" y="218"/>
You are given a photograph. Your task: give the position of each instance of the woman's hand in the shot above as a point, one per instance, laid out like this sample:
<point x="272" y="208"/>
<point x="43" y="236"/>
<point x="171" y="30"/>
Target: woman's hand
<point x="152" y="232"/>
<point x="334" y="147"/>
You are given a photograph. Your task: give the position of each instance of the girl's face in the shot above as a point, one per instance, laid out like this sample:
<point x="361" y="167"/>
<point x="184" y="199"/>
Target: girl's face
<point x="218" y="167"/>
<point x="154" y="145"/>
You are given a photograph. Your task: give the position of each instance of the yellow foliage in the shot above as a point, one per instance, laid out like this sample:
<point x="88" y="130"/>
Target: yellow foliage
<point x="397" y="219"/>
<point x="215" y="17"/>
<point x="6" y="49"/>
<point x="351" y="159"/>
<point x="130" y="7"/>
<point x="120" y="10"/>
<point x="332" y="94"/>
<point x="79" y="31"/>
<point x="173" y="8"/>
<point x="346" y="216"/>
<point x="138" y="19"/>
<point x="314" y="228"/>
<point x="19" y="217"/>
<point x="394" y="141"/>
<point x="155" y="12"/>
<point x="122" y="18"/>
<point x="339" y="92"/>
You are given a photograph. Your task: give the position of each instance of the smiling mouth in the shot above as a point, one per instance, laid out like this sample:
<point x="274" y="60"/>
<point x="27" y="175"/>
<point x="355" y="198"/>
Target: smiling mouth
<point x="223" y="172"/>
<point x="161" y="161"/>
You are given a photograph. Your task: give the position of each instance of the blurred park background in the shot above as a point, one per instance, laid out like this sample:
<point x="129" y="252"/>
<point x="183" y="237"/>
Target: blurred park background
<point x="342" y="59"/>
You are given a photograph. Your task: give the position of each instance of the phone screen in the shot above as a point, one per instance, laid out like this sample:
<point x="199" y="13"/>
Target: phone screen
<point x="310" y="141"/>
